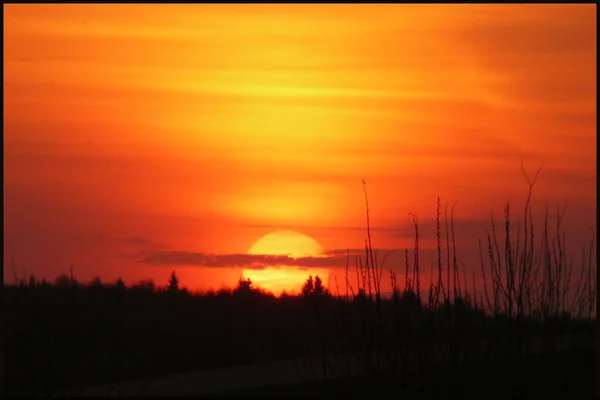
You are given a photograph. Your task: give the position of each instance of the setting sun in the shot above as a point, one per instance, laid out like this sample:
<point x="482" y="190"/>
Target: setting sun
<point x="174" y="174"/>
<point x="289" y="278"/>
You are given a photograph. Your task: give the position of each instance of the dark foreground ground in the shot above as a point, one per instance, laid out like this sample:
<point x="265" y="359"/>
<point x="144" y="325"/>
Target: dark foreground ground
<point x="68" y="339"/>
<point x="569" y="375"/>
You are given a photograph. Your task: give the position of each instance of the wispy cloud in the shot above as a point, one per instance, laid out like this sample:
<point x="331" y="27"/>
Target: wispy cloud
<point x="134" y="255"/>
<point x="139" y="240"/>
<point x="139" y="247"/>
<point x="333" y="258"/>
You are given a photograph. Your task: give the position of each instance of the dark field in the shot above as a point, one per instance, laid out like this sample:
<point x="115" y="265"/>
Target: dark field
<point x="568" y="375"/>
<point x="60" y="338"/>
<point x="75" y="337"/>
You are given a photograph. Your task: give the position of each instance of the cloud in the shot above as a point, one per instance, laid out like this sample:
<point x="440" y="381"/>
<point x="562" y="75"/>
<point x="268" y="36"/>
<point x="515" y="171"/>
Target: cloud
<point x="333" y="258"/>
<point x="135" y="254"/>
<point x="140" y="240"/>
<point x="138" y="246"/>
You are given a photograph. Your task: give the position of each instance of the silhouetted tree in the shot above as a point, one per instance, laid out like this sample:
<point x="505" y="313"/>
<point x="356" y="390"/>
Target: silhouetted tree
<point x="173" y="285"/>
<point x="243" y="286"/>
<point x="32" y="281"/>
<point x="223" y="292"/>
<point x="62" y="282"/>
<point x="72" y="281"/>
<point x="314" y="287"/>
<point x="308" y="287"/>
<point x="319" y="289"/>
<point x="96" y="283"/>
<point x="149" y="286"/>
<point x="120" y="284"/>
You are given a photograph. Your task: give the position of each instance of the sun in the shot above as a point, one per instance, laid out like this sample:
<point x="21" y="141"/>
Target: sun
<point x="289" y="278"/>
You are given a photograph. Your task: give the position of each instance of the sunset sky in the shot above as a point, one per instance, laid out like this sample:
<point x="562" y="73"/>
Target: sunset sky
<point x="141" y="139"/>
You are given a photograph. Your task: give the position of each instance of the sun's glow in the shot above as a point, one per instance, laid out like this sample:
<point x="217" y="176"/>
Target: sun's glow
<point x="288" y="278"/>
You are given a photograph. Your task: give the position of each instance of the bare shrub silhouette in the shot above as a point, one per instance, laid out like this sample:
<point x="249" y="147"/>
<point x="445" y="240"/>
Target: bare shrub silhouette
<point x="531" y="298"/>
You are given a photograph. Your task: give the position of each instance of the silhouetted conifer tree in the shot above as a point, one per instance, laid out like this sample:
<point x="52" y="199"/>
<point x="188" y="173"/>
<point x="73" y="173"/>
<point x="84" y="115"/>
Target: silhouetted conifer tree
<point x="120" y="284"/>
<point x="243" y="286"/>
<point x="72" y="281"/>
<point x="96" y="283"/>
<point x="308" y="286"/>
<point x="319" y="289"/>
<point x="314" y="287"/>
<point x="149" y="285"/>
<point x="63" y="281"/>
<point x="173" y="283"/>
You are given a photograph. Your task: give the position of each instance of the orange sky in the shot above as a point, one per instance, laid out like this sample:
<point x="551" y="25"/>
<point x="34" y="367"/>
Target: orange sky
<point x="132" y="130"/>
